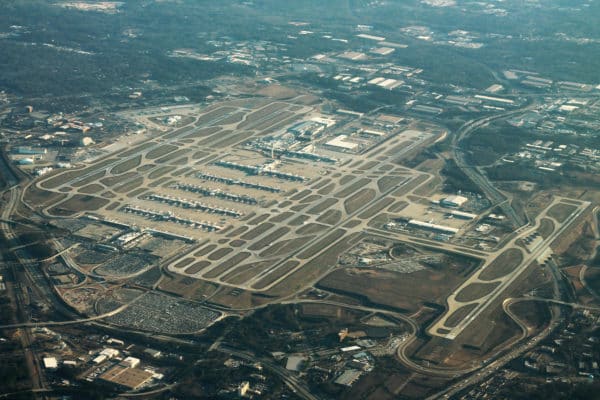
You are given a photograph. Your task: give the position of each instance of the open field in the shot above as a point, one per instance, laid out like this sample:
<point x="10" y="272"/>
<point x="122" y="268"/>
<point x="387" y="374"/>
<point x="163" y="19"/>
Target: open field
<point x="561" y="211"/>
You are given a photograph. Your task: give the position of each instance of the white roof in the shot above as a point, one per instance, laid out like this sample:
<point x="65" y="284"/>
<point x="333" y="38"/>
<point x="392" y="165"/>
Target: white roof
<point x="371" y="37"/>
<point x="110" y="352"/>
<point x="377" y="80"/>
<point x="568" y="108"/>
<point x="99" y="359"/>
<point x="50" y="362"/>
<point x="131" y="361"/>
<point x="456" y="199"/>
<point x="294" y="363"/>
<point x="340" y="141"/>
<point x="428" y="225"/>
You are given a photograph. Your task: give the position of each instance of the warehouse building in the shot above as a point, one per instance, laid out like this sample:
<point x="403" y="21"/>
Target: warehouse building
<point x="341" y="143"/>
<point x="454" y="201"/>
<point x="432" y="227"/>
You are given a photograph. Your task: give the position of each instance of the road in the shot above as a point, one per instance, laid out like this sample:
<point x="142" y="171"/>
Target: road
<point x="288" y="378"/>
<point x="592" y="257"/>
<point x="21" y="296"/>
<point x="476" y="175"/>
<point x="535" y="254"/>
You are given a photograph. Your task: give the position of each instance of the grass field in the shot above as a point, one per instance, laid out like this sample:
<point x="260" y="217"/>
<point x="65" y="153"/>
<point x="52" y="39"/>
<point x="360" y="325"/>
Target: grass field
<point x="161" y="151"/>
<point x="504" y="264"/>
<point x="460" y="314"/>
<point x="561" y="211"/>
<point x="126" y="165"/>
<point x="172" y="156"/>
<point x="245" y="272"/>
<point x="78" y="203"/>
<point x="286" y="246"/>
<point x="330" y="217"/>
<point x="311" y="228"/>
<point x="91" y="189"/>
<point x="279" y="218"/>
<point x="227" y="265"/>
<point x="256" y="232"/>
<point x="278" y="273"/>
<point x="376" y="208"/>
<point x="322" y="244"/>
<point x="205" y="250"/>
<point x="157" y="173"/>
<point x="476" y="291"/>
<point x="269" y="239"/>
<point x="354" y="187"/>
<point x="387" y="182"/>
<point x="322" y="206"/>
<point x="359" y="199"/>
<point x="197" y="267"/>
<point x="220" y="253"/>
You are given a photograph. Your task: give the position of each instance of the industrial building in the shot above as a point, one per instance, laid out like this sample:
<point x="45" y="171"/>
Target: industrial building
<point x="307" y="130"/>
<point x="340" y="143"/>
<point x="50" y="363"/>
<point x="295" y="363"/>
<point x="24" y="150"/>
<point x="462" y="215"/>
<point x="433" y="227"/>
<point x="348" y="377"/>
<point x="454" y="201"/>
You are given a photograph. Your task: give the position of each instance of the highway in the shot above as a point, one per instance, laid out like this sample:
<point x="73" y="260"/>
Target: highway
<point x="288" y="378"/>
<point x="20" y="296"/>
<point x="592" y="257"/>
<point x="476" y="175"/>
<point x="64" y="323"/>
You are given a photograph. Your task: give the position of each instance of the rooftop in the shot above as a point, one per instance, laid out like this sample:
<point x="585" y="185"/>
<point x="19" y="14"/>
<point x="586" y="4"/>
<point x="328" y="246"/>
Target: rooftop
<point x="131" y="378"/>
